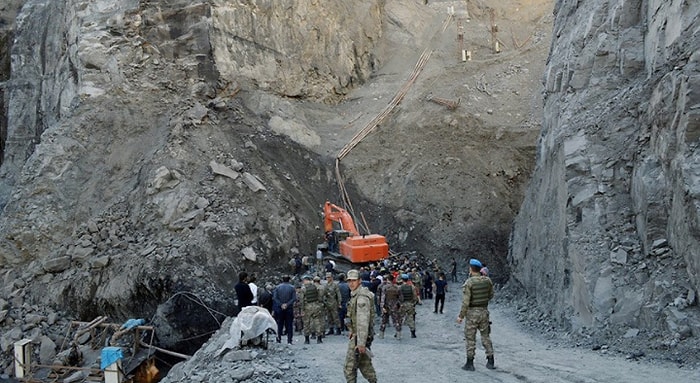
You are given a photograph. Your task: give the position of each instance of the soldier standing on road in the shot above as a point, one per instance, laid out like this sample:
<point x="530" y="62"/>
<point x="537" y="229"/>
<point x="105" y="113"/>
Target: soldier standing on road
<point x="409" y="298"/>
<point x="361" y="312"/>
<point x="333" y="299"/>
<point x="311" y="310"/>
<point x="478" y="291"/>
<point x="390" y="304"/>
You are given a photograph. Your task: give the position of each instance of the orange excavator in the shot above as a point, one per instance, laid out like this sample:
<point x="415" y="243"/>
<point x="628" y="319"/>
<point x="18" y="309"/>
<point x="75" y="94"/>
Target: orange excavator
<point x="346" y="241"/>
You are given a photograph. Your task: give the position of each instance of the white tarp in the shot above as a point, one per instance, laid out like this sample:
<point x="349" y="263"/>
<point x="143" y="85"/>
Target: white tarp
<point x="251" y="322"/>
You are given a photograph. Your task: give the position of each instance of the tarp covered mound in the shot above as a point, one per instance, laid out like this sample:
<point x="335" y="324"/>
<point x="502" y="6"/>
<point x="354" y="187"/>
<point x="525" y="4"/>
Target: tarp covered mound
<point x="250" y="323"/>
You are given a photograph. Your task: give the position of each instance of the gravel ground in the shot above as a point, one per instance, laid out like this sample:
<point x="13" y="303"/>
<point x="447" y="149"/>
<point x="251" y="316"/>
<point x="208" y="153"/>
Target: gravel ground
<point x="437" y="354"/>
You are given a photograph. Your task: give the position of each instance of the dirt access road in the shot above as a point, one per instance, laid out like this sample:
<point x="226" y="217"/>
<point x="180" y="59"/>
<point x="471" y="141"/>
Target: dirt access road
<point x="438" y="353"/>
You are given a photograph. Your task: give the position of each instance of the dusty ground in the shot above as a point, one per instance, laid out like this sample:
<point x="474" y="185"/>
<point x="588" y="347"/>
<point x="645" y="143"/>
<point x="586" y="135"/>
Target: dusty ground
<point x="437" y="354"/>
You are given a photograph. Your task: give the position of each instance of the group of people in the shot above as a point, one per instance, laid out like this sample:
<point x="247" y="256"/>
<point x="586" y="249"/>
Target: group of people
<point x="387" y="291"/>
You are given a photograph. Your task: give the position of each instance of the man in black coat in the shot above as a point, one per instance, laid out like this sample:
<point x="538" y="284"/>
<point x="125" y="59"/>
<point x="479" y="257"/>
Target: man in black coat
<point x="243" y="292"/>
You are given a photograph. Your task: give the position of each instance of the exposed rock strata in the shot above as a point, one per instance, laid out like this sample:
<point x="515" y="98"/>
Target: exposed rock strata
<point x="608" y="238"/>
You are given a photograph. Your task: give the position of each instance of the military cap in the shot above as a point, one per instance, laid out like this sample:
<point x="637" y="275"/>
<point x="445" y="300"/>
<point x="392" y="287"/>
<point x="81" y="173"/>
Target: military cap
<point x="329" y="275"/>
<point x="317" y="279"/>
<point x="353" y="274"/>
<point x="474" y="262"/>
<point x="306" y="276"/>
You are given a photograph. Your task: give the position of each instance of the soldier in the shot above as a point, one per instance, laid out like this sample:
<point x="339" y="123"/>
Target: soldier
<point x="298" y="313"/>
<point x="478" y="291"/>
<point x="333" y="299"/>
<point x="417" y="280"/>
<point x="409" y="298"/>
<point x="311" y="310"/>
<point x="390" y="304"/>
<point x="361" y="313"/>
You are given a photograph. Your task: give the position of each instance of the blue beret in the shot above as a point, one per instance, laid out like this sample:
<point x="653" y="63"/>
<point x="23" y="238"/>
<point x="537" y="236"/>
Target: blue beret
<point x="475" y="262"/>
<point x="404" y="276"/>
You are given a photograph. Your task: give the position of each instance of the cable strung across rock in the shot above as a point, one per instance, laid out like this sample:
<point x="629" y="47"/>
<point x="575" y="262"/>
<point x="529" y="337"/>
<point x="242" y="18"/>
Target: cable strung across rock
<point x="424" y="57"/>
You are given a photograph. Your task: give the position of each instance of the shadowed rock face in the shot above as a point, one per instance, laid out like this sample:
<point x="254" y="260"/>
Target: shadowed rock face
<point x="116" y="111"/>
<point x="608" y="236"/>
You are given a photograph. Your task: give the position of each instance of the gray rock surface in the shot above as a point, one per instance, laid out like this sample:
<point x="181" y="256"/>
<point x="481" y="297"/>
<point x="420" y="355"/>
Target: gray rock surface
<point x="115" y="111"/>
<point x="608" y="237"/>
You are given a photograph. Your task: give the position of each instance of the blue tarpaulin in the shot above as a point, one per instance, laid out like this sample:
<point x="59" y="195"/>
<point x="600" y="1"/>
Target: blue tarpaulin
<point x="110" y="355"/>
<point x="131" y="323"/>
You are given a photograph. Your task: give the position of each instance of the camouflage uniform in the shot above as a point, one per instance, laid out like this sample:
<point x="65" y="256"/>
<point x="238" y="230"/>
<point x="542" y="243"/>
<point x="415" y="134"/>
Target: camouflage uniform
<point x="478" y="291"/>
<point x="417" y="280"/>
<point x="298" y="315"/>
<point x="361" y="314"/>
<point x="408" y="306"/>
<point x="311" y="309"/>
<point x="390" y="305"/>
<point x="332" y="302"/>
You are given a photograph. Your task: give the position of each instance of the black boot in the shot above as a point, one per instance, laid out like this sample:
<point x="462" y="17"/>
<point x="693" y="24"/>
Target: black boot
<point x="489" y="363"/>
<point x="319" y="339"/>
<point x="413" y="333"/>
<point x="306" y="339"/>
<point x="337" y="331"/>
<point x="469" y="366"/>
<point x="330" y="331"/>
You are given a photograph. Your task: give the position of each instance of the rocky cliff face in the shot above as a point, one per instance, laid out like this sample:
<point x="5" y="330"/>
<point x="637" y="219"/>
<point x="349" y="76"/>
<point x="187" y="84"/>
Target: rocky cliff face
<point x="70" y="57"/>
<point x="131" y="170"/>
<point x="607" y="240"/>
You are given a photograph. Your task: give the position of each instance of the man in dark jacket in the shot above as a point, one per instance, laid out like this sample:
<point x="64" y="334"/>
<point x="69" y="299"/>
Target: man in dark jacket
<point x="283" y="299"/>
<point x="243" y="292"/>
<point x="345" y="297"/>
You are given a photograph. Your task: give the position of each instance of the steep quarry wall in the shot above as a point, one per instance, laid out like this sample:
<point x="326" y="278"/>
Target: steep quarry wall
<point x="132" y="171"/>
<point x="607" y="241"/>
<point x="73" y="56"/>
<point x="306" y="49"/>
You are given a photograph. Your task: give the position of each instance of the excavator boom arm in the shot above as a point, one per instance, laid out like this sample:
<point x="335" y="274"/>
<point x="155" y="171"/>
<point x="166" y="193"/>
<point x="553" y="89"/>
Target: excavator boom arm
<point x="333" y="213"/>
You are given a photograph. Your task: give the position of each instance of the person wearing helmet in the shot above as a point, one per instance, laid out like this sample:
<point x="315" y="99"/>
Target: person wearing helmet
<point x="478" y="291"/>
<point x="361" y="327"/>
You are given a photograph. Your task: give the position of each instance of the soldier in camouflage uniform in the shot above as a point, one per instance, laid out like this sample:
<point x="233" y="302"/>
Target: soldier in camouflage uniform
<point x="333" y="299"/>
<point x="361" y="313"/>
<point x="311" y="308"/>
<point x="298" y="314"/>
<point x="390" y="304"/>
<point x="478" y="291"/>
<point x="409" y="298"/>
<point x="417" y="280"/>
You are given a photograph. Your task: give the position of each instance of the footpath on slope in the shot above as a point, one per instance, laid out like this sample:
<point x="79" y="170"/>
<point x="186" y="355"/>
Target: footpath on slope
<point x="436" y="355"/>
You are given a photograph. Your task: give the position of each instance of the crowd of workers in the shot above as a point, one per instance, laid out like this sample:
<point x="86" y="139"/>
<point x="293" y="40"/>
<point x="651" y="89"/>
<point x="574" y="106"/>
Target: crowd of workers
<point x="307" y="304"/>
